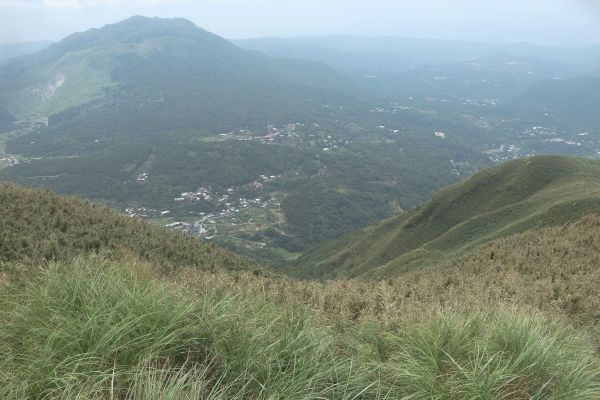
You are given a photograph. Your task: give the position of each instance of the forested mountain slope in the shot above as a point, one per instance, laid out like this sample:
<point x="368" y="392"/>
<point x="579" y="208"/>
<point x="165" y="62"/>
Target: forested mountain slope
<point x="143" y="75"/>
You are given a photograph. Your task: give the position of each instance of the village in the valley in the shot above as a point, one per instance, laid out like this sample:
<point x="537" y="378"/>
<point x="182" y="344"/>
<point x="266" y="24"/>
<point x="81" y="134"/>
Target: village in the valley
<point x="234" y="216"/>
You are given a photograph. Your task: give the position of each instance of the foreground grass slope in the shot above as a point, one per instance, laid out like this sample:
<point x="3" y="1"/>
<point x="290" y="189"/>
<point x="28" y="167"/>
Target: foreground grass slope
<point x="98" y="329"/>
<point x="553" y="271"/>
<point x="39" y="226"/>
<point x="502" y="200"/>
<point x="516" y="318"/>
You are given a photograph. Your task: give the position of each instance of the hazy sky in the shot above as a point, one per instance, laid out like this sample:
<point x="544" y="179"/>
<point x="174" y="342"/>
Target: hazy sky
<point x="566" y="22"/>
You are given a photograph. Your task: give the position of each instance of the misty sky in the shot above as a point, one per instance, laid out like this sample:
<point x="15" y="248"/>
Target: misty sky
<point x="565" y="22"/>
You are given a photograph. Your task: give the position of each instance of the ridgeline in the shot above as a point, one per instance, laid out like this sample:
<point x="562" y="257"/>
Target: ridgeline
<point x="506" y="199"/>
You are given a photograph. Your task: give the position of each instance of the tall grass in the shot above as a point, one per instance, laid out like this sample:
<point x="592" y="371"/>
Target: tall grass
<point x="485" y="357"/>
<point x="109" y="330"/>
<point x="98" y="329"/>
<point x="552" y="271"/>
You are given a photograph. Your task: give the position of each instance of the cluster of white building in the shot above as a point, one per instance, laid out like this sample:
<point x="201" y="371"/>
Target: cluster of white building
<point x="200" y="194"/>
<point x="145" y="212"/>
<point x="9" y="159"/>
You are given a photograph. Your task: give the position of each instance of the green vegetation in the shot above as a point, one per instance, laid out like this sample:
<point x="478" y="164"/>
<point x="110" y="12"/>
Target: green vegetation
<point x="104" y="331"/>
<point x="38" y="226"/>
<point x="165" y="99"/>
<point x="377" y="178"/>
<point x="491" y="290"/>
<point x="506" y="199"/>
<point x="96" y="329"/>
<point x="553" y="270"/>
<point x="514" y="318"/>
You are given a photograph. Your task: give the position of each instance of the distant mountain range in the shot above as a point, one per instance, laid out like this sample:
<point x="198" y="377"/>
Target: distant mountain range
<point x="390" y="54"/>
<point x="517" y="75"/>
<point x="502" y="200"/>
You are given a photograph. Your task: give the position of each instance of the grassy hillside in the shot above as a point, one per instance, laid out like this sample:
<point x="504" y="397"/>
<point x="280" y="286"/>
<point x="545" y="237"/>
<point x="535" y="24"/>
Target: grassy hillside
<point x="514" y="318"/>
<point x="96" y="329"/>
<point x="502" y="200"/>
<point x="38" y="226"/>
<point x="552" y="270"/>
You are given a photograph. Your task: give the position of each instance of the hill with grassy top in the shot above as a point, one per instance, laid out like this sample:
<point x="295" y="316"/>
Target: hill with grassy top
<point x="37" y="227"/>
<point x="502" y="200"/>
<point x="552" y="271"/>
